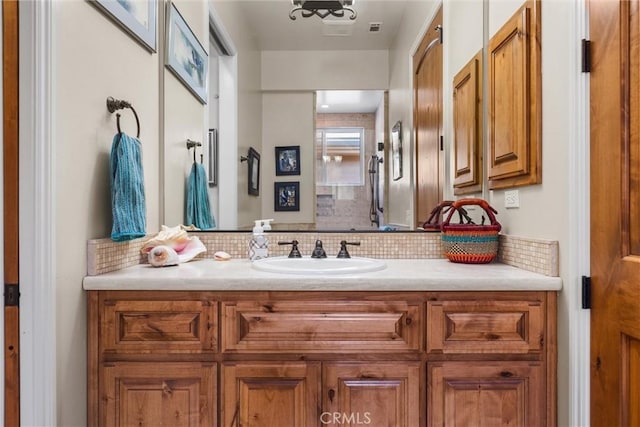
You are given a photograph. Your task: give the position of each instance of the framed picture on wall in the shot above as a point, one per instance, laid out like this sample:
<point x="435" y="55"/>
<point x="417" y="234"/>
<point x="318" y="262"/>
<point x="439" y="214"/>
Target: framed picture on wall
<point x="396" y="150"/>
<point x="254" y="172"/>
<point x="185" y="56"/>
<point x="136" y="17"/>
<point x="286" y="196"/>
<point x="288" y="160"/>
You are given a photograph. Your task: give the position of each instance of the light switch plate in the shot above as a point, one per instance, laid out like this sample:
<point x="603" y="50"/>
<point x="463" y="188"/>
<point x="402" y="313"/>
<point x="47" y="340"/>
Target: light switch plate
<point x="511" y="199"/>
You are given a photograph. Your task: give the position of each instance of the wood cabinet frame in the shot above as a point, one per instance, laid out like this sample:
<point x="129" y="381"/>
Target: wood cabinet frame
<point x="436" y="333"/>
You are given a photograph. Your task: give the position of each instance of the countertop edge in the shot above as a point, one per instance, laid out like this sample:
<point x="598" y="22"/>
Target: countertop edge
<point x="400" y="276"/>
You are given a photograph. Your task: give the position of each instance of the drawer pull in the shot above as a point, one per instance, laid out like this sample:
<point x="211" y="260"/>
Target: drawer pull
<point x="506" y="374"/>
<point x="332" y="394"/>
<point x="408" y="321"/>
<point x="491" y="336"/>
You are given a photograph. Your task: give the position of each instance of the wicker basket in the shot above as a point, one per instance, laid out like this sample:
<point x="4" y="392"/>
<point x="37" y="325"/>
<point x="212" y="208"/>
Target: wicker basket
<point x="471" y="243"/>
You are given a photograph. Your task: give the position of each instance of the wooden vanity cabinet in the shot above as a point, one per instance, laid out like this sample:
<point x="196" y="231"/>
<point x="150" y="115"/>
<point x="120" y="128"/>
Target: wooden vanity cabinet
<point x="298" y="359"/>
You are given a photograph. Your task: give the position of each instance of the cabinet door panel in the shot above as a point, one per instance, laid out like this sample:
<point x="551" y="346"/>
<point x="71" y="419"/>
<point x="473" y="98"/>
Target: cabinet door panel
<point x="159" y="326"/>
<point x="175" y="394"/>
<point x="321" y="326"/>
<point x="514" y="100"/>
<point x="485" y="326"/>
<point x="271" y="394"/>
<point x="486" y="394"/>
<point x="467" y="127"/>
<point x="379" y="394"/>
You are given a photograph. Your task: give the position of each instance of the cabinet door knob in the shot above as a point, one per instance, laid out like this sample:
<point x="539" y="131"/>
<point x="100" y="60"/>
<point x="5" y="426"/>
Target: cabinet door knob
<point x="332" y="393"/>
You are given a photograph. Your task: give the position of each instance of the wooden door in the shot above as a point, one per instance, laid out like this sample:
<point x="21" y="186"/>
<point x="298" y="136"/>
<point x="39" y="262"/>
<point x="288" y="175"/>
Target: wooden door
<point x="271" y="394"/>
<point x="160" y="394"/>
<point x="377" y="394"/>
<point x="615" y="212"/>
<point x="486" y="394"/>
<point x="427" y="119"/>
<point x="11" y="214"/>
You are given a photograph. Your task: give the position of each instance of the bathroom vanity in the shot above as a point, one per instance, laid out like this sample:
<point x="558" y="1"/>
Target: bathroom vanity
<point x="421" y="343"/>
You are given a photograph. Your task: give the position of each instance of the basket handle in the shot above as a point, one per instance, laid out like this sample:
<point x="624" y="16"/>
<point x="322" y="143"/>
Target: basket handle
<point x="479" y="202"/>
<point x="443" y="207"/>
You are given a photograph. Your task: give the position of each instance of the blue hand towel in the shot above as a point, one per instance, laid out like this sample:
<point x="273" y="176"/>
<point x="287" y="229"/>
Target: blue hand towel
<point x="127" y="189"/>
<point x="198" y="209"/>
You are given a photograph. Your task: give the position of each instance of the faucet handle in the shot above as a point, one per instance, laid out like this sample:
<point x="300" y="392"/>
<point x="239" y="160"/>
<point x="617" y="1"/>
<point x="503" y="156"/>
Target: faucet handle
<point x="295" y="253"/>
<point x="343" y="249"/>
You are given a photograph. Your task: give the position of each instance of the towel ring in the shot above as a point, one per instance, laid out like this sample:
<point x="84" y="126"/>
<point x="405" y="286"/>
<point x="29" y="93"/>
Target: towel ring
<point x="119" y="104"/>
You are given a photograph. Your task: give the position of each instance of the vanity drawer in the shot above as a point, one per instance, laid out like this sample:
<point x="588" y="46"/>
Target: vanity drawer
<point x="159" y="326"/>
<point x="321" y="326"/>
<point x="479" y="326"/>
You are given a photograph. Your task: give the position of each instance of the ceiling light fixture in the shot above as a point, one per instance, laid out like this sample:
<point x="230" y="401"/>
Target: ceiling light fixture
<point x="322" y="8"/>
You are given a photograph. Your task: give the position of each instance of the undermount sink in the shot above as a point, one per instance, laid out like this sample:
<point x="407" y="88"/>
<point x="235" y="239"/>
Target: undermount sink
<point x="319" y="266"/>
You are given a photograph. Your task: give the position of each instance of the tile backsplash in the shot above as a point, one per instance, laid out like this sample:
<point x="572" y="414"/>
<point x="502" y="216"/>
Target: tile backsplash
<point x="540" y="256"/>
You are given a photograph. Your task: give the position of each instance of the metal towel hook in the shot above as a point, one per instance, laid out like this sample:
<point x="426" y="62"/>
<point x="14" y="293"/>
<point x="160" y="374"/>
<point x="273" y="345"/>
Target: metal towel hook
<point x="119" y="104"/>
<point x="193" y="144"/>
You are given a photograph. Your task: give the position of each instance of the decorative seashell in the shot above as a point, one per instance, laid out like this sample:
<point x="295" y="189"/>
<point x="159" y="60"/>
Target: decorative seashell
<point x="174" y="237"/>
<point x="221" y="256"/>
<point x="163" y="256"/>
<point x="193" y="248"/>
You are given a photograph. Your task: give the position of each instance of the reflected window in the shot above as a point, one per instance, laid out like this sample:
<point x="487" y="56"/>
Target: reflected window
<point x="340" y="156"/>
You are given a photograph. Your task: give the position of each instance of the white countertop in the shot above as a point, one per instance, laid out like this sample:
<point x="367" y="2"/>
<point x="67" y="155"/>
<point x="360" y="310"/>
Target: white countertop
<point x="400" y="275"/>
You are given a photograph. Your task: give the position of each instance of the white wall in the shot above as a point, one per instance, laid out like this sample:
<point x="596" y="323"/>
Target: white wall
<point x="288" y="119"/>
<point x="95" y="60"/>
<point x="184" y="116"/>
<point x="331" y="70"/>
<point x="464" y="37"/>
<point x="416" y="17"/>
<point x="249" y="112"/>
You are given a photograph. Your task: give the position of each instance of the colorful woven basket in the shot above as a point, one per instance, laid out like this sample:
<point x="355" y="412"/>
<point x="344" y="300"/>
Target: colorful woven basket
<point x="471" y="243"/>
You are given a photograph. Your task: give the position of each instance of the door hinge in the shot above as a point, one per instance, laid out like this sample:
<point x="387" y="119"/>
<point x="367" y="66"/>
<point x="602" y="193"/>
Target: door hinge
<point x="441" y="142"/>
<point x="586" y="56"/>
<point x="11" y="295"/>
<point x="586" y="292"/>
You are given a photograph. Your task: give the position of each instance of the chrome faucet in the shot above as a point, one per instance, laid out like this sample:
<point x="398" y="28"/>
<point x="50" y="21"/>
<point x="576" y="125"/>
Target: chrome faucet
<point x="318" y="251"/>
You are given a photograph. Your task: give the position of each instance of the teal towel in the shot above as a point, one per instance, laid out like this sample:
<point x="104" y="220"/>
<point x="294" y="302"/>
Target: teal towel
<point x="198" y="209"/>
<point x="127" y="189"/>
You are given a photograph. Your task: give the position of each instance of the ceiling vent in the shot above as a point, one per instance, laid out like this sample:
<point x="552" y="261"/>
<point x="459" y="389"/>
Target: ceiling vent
<point x="375" y="27"/>
<point x="337" y="28"/>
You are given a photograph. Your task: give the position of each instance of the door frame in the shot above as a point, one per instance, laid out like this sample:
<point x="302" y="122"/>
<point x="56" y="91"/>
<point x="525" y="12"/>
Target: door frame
<point x="37" y="219"/>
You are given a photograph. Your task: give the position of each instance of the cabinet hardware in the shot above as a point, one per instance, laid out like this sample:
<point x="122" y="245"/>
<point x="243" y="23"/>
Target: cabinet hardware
<point x="332" y="394"/>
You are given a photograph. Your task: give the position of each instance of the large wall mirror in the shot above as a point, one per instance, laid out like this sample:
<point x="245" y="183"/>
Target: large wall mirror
<point x="298" y="83"/>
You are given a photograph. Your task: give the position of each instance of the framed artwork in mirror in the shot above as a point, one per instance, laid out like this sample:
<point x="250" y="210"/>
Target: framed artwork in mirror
<point x="185" y="56"/>
<point x="396" y="150"/>
<point x="288" y="160"/>
<point x="286" y="196"/>
<point x="136" y="17"/>
<point x="254" y="172"/>
<point x="212" y="140"/>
